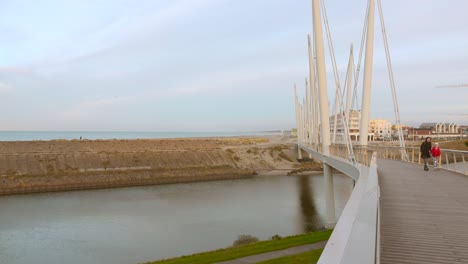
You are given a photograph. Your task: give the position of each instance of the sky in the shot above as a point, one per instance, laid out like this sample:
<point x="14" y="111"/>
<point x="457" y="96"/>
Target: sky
<point x="214" y="65"/>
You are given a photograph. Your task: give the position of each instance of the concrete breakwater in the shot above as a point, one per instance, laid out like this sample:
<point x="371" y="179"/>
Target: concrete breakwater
<point x="37" y="166"/>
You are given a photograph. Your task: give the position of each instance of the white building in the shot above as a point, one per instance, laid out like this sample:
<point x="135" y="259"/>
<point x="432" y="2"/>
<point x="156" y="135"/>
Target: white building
<point x="381" y="128"/>
<point x="353" y="124"/>
<point x="441" y="128"/>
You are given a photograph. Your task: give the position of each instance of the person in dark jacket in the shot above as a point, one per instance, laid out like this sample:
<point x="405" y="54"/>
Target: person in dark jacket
<point x="425" y="149"/>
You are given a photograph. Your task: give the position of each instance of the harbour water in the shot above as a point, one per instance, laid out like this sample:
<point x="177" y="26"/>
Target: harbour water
<point x="140" y="224"/>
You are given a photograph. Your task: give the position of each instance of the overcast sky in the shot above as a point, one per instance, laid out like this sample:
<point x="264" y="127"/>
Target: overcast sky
<point x="213" y="65"/>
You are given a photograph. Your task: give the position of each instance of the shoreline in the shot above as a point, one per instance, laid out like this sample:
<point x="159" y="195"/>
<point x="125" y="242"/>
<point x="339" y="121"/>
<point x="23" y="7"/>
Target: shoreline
<point x="129" y="179"/>
<point x="284" y="172"/>
<point x="64" y="165"/>
<point x="109" y="135"/>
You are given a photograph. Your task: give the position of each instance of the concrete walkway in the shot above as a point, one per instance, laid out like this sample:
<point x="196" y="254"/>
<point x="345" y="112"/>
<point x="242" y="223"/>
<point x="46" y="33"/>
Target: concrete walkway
<point x="276" y="254"/>
<point x="424" y="214"/>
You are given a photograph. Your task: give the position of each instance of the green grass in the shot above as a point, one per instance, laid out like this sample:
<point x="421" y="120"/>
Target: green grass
<point x="303" y="258"/>
<point x="248" y="250"/>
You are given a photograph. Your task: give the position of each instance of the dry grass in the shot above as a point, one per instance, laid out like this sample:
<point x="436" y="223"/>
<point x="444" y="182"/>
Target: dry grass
<point x="456" y="145"/>
<point x="244" y="141"/>
<point x="306" y="166"/>
<point x="245" y="240"/>
<point x="285" y="157"/>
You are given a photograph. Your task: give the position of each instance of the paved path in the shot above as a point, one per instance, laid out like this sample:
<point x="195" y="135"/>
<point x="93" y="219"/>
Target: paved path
<point x="424" y="215"/>
<point x="276" y="254"/>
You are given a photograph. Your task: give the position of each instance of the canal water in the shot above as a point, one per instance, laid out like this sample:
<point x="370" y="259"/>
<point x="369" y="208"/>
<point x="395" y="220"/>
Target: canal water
<point x="139" y="224"/>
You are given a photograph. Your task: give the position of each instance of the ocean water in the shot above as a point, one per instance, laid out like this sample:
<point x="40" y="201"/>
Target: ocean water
<point x="92" y="135"/>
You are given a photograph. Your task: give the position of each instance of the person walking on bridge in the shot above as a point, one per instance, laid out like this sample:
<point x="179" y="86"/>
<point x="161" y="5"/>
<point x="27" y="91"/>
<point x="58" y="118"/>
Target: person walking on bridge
<point x="435" y="152"/>
<point x="425" y="149"/>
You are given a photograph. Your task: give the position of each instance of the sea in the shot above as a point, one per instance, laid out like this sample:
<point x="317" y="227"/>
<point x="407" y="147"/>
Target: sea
<point x="95" y="135"/>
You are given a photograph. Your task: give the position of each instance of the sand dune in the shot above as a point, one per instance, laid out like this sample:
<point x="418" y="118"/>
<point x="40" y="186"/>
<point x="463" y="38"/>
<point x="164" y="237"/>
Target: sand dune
<point x="36" y="166"/>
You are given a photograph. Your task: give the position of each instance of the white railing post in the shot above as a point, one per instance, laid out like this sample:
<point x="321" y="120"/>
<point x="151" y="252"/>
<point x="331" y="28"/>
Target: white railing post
<point x="464" y="164"/>
<point x="446" y="160"/>
<point x="455" y="167"/>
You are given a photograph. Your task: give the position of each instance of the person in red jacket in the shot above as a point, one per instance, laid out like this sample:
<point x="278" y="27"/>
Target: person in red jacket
<point x="435" y="151"/>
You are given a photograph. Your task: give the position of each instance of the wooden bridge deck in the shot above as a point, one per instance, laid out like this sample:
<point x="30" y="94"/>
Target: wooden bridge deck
<point x="424" y="215"/>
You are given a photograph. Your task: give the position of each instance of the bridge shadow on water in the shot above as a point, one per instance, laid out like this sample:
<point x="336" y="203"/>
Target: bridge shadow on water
<point x="310" y="217"/>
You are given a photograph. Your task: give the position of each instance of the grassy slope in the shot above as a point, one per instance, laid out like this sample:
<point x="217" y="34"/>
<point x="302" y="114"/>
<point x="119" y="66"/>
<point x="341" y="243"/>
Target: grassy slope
<point x="303" y="258"/>
<point x="248" y="250"/>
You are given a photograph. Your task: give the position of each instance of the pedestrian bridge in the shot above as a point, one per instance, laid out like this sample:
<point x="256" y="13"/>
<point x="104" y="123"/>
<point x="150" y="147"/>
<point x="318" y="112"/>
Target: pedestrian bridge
<point x="397" y="212"/>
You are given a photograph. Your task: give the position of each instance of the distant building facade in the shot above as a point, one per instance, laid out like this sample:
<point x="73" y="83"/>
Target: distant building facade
<point x="436" y="130"/>
<point x="464" y="130"/>
<point x="381" y="128"/>
<point x="353" y="124"/>
<point x="441" y="128"/>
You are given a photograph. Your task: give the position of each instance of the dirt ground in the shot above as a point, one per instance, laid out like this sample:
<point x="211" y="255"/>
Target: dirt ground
<point x="27" y="166"/>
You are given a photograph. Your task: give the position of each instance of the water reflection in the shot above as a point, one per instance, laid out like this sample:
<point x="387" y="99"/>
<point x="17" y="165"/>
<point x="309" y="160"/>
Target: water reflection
<point x="310" y="218"/>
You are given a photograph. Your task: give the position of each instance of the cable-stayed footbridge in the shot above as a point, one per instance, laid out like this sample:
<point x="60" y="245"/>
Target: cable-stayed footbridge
<point x="397" y="213"/>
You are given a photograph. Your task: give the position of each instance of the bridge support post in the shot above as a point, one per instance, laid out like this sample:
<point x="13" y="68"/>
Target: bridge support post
<point x="329" y="196"/>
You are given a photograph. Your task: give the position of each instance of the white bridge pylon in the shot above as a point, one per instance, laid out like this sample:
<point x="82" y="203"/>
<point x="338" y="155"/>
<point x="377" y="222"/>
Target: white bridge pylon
<point x="313" y="115"/>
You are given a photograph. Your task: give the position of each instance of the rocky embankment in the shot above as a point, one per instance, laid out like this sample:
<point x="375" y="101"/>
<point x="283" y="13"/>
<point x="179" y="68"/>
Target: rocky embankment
<point x="38" y="166"/>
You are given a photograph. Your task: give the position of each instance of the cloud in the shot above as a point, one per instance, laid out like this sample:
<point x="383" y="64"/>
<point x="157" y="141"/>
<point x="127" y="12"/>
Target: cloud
<point x="15" y="70"/>
<point x="226" y="81"/>
<point x="91" y="109"/>
<point x="5" y="88"/>
<point x="123" y="37"/>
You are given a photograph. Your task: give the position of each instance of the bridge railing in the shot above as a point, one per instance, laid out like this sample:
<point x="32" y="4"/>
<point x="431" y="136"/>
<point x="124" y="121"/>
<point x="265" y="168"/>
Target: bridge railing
<point x="361" y="155"/>
<point x="454" y="160"/>
<point x="356" y="237"/>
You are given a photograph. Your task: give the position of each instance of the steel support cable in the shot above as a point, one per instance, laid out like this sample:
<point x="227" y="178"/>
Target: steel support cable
<point x="346" y="84"/>
<point x="335" y="70"/>
<point x="358" y="68"/>
<point x="392" y="81"/>
<point x="316" y="119"/>
<point x="339" y="96"/>
<point x="338" y="88"/>
<point x="296" y="102"/>
<point x="330" y="45"/>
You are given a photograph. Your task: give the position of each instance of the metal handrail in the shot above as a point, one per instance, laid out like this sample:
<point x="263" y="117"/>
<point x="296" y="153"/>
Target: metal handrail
<point x="361" y="155"/>
<point x="450" y="159"/>
<point x="356" y="237"/>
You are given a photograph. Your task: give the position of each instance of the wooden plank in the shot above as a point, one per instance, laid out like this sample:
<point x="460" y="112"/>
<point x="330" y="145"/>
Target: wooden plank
<point x="424" y="214"/>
